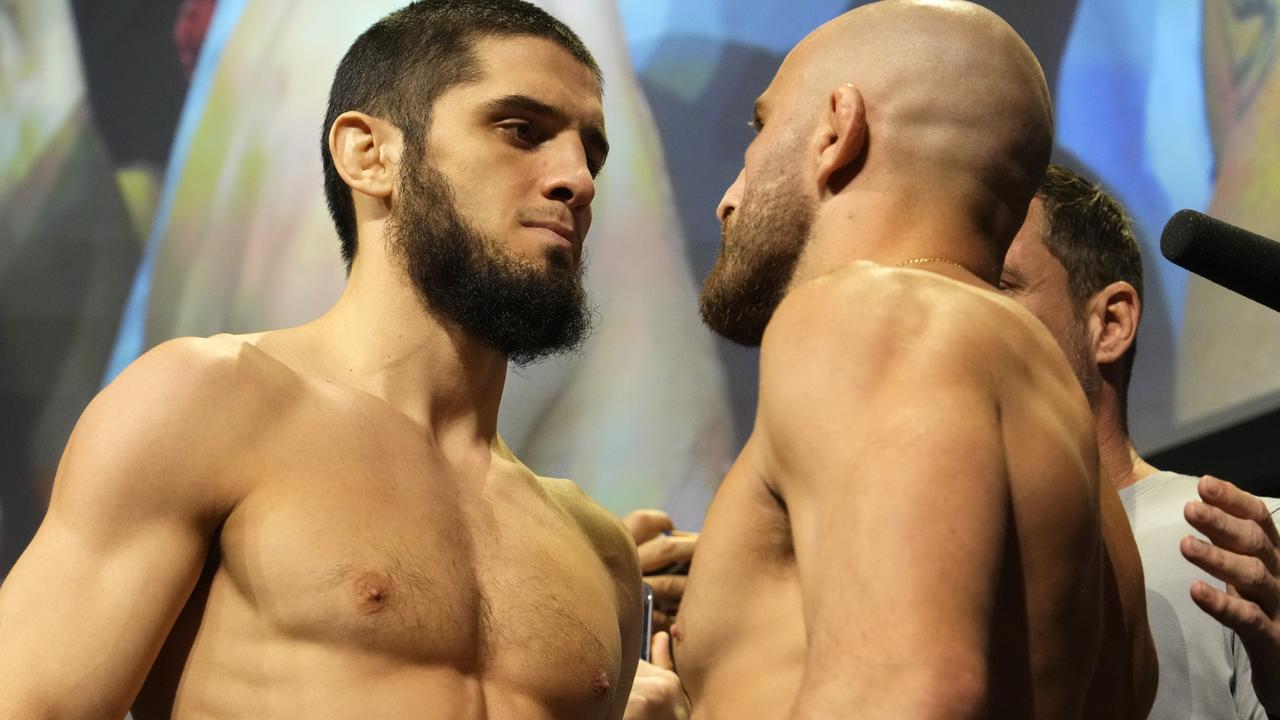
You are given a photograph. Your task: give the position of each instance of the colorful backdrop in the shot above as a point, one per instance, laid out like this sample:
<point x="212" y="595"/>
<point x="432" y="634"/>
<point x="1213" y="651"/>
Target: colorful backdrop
<point x="159" y="177"/>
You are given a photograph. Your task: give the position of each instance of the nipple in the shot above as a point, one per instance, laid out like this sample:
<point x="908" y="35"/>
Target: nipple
<point x="600" y="686"/>
<point x="372" y="592"/>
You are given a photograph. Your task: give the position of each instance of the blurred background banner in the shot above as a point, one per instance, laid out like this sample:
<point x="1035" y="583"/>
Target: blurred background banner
<point x="160" y="177"/>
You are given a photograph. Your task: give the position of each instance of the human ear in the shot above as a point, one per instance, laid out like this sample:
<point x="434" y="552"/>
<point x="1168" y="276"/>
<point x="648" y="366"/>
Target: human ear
<point x="366" y="152"/>
<point x="845" y="128"/>
<point x="1115" y="312"/>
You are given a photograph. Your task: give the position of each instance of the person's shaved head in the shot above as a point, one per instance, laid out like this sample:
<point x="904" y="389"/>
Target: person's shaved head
<point x="951" y="92"/>
<point x="934" y="108"/>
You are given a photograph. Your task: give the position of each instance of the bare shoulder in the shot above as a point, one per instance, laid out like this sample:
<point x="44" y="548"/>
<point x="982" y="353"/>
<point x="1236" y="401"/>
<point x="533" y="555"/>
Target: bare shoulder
<point x="868" y="321"/>
<point x="871" y="320"/>
<point x="180" y="411"/>
<point x="188" y="383"/>
<point x="186" y="362"/>
<point x="606" y="532"/>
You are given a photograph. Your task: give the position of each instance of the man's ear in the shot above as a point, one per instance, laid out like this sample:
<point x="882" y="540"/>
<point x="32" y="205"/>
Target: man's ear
<point x="366" y="153"/>
<point x="845" y="127"/>
<point x="1114" y="314"/>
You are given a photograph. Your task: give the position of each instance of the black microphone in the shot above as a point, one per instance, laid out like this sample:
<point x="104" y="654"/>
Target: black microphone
<point x="1234" y="258"/>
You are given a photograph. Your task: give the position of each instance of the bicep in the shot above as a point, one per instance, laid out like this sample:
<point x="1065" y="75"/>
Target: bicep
<point x="905" y="521"/>
<point x="86" y="608"/>
<point x="80" y="623"/>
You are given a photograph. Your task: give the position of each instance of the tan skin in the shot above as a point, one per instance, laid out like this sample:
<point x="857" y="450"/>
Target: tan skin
<point x="657" y="693"/>
<point x="665" y="555"/>
<point x="916" y="527"/>
<point x="322" y="521"/>
<point x="1244" y="548"/>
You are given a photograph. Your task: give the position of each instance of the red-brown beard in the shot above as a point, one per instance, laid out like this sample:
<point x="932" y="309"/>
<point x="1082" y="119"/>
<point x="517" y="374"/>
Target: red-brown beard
<point x="761" y="243"/>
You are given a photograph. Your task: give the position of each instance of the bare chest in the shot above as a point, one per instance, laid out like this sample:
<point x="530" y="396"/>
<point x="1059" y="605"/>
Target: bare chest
<point x="381" y="549"/>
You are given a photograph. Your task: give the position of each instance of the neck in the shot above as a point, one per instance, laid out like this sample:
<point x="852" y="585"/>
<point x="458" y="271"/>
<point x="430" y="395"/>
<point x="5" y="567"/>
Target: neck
<point x="381" y="337"/>
<point x="894" y="230"/>
<point x="1121" y="464"/>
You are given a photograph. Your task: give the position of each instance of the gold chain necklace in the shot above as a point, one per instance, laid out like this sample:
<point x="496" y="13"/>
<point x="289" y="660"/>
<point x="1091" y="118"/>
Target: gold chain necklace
<point x="923" y="260"/>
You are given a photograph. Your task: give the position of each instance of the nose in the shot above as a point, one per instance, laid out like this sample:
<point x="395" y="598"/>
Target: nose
<point x="732" y="197"/>
<point x="569" y="179"/>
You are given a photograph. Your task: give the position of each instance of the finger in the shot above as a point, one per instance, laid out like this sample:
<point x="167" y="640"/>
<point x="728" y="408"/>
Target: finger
<point x="645" y="524"/>
<point x="1239" y="503"/>
<point x="641" y="701"/>
<point x="667" y="589"/>
<point x="660" y="651"/>
<point x="662" y="620"/>
<point x="1250" y="578"/>
<point x="664" y="550"/>
<point x="1231" y="533"/>
<point x="1248" y="620"/>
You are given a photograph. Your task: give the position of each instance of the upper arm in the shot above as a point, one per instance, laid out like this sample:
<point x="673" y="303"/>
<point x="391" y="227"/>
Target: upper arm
<point x="886" y="448"/>
<point x="88" y="605"/>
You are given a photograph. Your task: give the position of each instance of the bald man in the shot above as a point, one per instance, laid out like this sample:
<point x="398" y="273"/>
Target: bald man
<point x="916" y="527"/>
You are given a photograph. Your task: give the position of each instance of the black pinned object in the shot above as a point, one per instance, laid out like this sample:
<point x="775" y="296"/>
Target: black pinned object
<point x="1236" y="259"/>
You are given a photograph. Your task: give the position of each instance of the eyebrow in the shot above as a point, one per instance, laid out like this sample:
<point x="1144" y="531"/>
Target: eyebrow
<point x="592" y="133"/>
<point x="756" y="110"/>
<point x="1014" y="276"/>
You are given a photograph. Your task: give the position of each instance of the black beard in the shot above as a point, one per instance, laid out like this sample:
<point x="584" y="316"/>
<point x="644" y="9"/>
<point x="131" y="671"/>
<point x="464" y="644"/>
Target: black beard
<point x="760" y="245"/>
<point x="523" y="311"/>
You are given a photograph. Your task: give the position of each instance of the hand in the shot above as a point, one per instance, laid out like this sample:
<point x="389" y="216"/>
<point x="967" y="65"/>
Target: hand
<point x="656" y="693"/>
<point x="1245" y="554"/>
<point x="662" y="548"/>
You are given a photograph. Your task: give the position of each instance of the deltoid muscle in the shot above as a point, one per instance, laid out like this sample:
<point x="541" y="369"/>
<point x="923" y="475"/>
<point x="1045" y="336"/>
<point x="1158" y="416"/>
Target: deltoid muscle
<point x="1230" y="346"/>
<point x="640" y="418"/>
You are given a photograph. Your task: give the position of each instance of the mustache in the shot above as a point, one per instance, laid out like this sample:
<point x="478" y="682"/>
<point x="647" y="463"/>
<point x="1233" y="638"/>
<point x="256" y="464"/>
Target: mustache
<point x="531" y="215"/>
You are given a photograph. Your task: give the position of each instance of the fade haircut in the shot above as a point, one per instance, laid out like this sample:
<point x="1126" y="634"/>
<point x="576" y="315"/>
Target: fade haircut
<point x="398" y="68"/>
<point x="1087" y="230"/>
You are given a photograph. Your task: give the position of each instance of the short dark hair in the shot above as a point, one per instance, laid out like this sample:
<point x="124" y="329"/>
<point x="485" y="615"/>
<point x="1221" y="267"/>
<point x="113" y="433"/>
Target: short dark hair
<point x="398" y="67"/>
<point x="1087" y="230"/>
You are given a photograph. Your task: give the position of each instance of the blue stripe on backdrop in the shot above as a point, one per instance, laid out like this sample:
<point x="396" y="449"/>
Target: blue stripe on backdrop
<point x="129" y="338"/>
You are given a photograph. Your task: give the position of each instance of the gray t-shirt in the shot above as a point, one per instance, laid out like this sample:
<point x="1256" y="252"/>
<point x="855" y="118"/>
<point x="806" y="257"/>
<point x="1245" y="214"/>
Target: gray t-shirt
<point x="1204" y="671"/>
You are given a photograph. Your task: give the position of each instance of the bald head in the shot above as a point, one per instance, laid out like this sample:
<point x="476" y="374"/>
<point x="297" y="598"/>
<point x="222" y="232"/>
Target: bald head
<point x="956" y="106"/>
<point x="905" y="128"/>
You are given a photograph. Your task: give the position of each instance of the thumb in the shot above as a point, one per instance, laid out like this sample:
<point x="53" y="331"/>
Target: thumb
<point x="660" y="651"/>
<point x="645" y="524"/>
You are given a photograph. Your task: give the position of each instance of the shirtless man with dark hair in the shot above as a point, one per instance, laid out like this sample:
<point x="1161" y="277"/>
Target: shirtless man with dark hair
<point x="322" y="522"/>
<point x="916" y="527"/>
